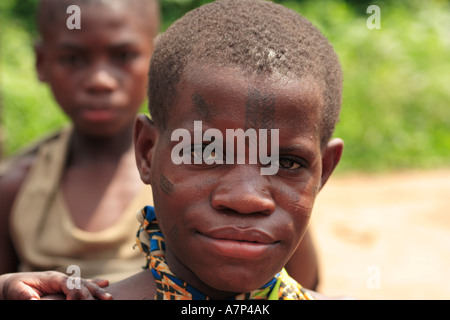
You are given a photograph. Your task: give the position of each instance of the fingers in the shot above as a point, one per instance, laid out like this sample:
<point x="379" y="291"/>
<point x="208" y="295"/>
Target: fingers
<point x="20" y="291"/>
<point x="101" y="282"/>
<point x="27" y="293"/>
<point x="52" y="285"/>
<point x="97" y="290"/>
<point x="95" y="287"/>
<point x="88" y="290"/>
<point x="76" y="288"/>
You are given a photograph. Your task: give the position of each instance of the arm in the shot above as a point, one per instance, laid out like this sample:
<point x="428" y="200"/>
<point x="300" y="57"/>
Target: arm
<point x="34" y="285"/>
<point x="140" y="286"/>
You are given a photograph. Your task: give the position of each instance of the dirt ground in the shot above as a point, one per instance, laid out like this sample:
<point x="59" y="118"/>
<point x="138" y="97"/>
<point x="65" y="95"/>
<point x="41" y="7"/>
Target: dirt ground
<point x="384" y="236"/>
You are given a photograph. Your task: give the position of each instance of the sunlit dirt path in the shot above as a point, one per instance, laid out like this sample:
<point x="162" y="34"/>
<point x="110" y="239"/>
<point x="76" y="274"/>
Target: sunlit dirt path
<point x="385" y="236"/>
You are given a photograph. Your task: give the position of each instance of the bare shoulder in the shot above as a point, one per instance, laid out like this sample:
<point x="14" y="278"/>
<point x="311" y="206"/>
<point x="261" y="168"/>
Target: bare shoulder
<point x="10" y="183"/>
<point x="14" y="169"/>
<point x="140" y="286"/>
<point x="13" y="176"/>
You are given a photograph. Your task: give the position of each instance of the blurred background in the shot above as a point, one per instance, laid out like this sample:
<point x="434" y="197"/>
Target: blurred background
<point x="396" y="104"/>
<point x="395" y="122"/>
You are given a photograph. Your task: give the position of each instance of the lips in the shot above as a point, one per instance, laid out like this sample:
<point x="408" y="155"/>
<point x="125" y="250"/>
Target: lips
<point x="98" y="114"/>
<point x="247" y="243"/>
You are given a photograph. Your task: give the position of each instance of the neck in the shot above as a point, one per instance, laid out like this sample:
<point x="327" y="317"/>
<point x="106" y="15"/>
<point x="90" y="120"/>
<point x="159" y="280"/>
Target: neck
<point x="85" y="148"/>
<point x="191" y="278"/>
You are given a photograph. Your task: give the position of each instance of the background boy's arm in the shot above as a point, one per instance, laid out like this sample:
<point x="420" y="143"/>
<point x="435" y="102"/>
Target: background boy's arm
<point x="34" y="285"/>
<point x="140" y="286"/>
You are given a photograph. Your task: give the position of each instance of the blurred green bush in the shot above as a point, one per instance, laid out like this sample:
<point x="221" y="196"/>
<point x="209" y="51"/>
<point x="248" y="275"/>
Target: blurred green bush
<point x="396" y="104"/>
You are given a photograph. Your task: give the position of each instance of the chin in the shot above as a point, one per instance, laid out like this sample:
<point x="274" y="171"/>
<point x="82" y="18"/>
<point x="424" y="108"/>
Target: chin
<point x="101" y="130"/>
<point x="238" y="281"/>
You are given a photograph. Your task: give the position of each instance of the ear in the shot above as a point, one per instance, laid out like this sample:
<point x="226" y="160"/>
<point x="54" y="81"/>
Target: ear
<point x="145" y="137"/>
<point x="39" y="52"/>
<point x="331" y="155"/>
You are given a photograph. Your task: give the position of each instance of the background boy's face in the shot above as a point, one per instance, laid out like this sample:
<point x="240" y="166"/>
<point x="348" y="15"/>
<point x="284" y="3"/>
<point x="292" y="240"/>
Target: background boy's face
<point x="228" y="227"/>
<point x="98" y="74"/>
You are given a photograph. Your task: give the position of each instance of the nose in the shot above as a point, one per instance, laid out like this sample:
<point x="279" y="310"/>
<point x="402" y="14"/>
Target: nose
<point x="243" y="190"/>
<point x="101" y="80"/>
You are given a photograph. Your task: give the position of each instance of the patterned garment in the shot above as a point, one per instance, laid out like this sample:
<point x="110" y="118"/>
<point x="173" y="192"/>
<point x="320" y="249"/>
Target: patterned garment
<point x="168" y="287"/>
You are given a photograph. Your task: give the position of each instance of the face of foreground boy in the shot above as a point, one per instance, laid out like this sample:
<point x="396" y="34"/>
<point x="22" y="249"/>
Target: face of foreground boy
<point x="229" y="229"/>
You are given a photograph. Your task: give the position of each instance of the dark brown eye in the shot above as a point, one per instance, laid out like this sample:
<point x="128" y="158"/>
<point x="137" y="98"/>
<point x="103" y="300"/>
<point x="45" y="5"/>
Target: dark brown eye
<point x="125" y="56"/>
<point x="72" y="60"/>
<point x="289" y="164"/>
<point x="198" y="152"/>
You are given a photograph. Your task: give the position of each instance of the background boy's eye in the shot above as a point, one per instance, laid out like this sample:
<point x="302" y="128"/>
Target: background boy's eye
<point x="124" y="56"/>
<point x="289" y="164"/>
<point x="72" y="60"/>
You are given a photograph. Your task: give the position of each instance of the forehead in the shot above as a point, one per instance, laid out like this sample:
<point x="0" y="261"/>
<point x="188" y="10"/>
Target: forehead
<point x="227" y="97"/>
<point x="112" y="20"/>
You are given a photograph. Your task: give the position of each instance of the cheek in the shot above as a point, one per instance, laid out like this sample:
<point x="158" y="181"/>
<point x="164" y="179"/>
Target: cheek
<point x="297" y="203"/>
<point x="65" y="93"/>
<point x="138" y="80"/>
<point x="135" y="89"/>
<point x="133" y="83"/>
<point x="138" y="75"/>
<point x="172" y="193"/>
<point x="60" y="82"/>
<point x="65" y="85"/>
<point x="298" y="200"/>
<point x="165" y="185"/>
<point x="172" y="201"/>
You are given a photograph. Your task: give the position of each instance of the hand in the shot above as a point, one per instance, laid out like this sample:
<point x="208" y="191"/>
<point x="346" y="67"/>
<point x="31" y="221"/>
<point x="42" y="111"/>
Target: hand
<point x="34" y="285"/>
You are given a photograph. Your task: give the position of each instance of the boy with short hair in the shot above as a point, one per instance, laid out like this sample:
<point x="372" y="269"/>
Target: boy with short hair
<point x="222" y="230"/>
<point x="72" y="200"/>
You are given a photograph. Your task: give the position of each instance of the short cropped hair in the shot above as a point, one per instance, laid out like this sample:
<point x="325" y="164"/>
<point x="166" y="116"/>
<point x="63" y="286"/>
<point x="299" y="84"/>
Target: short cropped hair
<point x="259" y="36"/>
<point x="50" y="11"/>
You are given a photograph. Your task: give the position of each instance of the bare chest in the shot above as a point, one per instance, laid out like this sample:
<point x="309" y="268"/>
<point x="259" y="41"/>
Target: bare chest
<point x="97" y="196"/>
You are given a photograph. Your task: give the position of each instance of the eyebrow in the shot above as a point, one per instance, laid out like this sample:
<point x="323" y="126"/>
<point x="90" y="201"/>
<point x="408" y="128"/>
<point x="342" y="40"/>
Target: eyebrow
<point x="123" y="45"/>
<point x="302" y="148"/>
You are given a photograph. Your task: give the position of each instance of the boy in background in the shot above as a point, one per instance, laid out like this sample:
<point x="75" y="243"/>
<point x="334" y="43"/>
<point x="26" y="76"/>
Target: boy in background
<point x="72" y="199"/>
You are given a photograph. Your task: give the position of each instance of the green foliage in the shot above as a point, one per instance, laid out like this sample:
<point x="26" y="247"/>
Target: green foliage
<point x="28" y="110"/>
<point x="396" y="104"/>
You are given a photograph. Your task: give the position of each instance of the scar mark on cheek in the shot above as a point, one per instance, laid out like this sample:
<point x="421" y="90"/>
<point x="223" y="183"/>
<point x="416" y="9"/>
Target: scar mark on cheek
<point x="303" y="199"/>
<point x="174" y="232"/>
<point x="294" y="197"/>
<point x="166" y="185"/>
<point x="204" y="109"/>
<point x="260" y="110"/>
